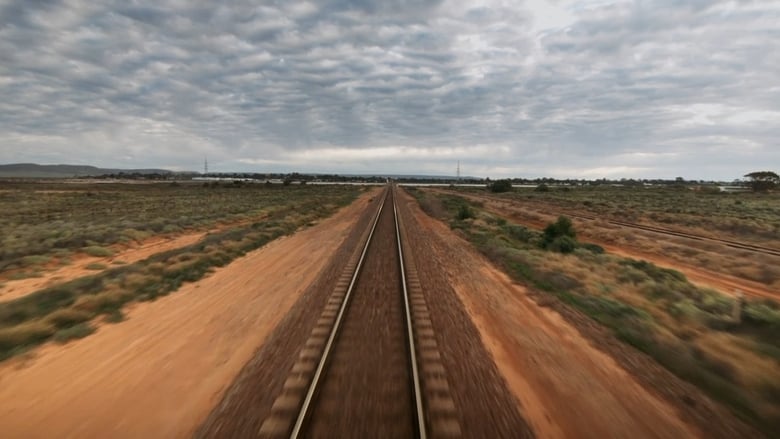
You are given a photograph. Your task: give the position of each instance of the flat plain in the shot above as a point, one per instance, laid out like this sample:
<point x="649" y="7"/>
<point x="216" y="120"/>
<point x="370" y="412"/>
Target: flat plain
<point x="595" y="311"/>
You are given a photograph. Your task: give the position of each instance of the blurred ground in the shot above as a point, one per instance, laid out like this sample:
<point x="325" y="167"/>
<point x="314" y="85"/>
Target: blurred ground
<point x="160" y="372"/>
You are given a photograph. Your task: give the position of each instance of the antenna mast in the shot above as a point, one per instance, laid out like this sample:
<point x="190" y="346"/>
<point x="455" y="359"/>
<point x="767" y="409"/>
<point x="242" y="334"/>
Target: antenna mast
<point x="458" y="172"/>
<point x="205" y="165"/>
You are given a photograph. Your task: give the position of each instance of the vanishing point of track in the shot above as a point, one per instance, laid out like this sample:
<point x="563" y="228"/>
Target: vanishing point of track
<point x="371" y="366"/>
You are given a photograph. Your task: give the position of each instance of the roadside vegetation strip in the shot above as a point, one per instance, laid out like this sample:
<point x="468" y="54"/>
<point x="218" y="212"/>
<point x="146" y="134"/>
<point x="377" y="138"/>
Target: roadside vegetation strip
<point x="746" y="217"/>
<point x="63" y="312"/>
<point x="729" y="348"/>
<point x="713" y="256"/>
<point x="45" y="224"/>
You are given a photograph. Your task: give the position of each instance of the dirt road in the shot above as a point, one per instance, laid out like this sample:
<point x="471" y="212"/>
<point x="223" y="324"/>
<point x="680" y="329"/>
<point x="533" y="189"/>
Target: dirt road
<point x="160" y="372"/>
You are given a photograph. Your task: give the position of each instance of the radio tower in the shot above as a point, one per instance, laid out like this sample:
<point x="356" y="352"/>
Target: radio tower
<point x="205" y="165"/>
<point x="458" y="172"/>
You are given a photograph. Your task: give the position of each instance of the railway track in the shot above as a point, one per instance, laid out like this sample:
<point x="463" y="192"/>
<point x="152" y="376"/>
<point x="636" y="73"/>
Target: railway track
<point x="727" y="242"/>
<point x="665" y="231"/>
<point x="370" y="366"/>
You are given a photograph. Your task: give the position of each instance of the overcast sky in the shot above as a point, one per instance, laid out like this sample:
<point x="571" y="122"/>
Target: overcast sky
<point x="510" y="88"/>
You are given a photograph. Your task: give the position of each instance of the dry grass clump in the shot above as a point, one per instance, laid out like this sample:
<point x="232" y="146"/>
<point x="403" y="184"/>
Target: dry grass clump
<point x="17" y="338"/>
<point x="80" y="330"/>
<point x="97" y="251"/>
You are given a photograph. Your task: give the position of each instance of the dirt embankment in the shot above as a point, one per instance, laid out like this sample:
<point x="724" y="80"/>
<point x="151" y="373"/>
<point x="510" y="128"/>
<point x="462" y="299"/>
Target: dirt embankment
<point x="565" y="386"/>
<point x="591" y="232"/>
<point x="160" y="372"/>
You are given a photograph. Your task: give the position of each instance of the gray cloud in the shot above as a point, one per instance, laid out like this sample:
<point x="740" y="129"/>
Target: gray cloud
<point x="572" y="88"/>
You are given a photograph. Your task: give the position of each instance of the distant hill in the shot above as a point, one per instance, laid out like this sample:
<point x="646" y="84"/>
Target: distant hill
<point x="31" y="170"/>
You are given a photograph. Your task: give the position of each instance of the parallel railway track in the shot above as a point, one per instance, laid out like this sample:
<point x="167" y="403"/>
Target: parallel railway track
<point x="370" y="367"/>
<point x="665" y="231"/>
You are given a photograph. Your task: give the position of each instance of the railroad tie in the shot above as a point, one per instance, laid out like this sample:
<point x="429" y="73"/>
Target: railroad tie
<point x="285" y="408"/>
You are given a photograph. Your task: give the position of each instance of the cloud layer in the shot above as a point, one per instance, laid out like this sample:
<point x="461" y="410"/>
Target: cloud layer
<point x="568" y="88"/>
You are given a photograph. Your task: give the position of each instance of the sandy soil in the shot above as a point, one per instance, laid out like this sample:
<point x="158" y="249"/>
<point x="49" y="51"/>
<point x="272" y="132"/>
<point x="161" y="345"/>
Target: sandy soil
<point x="724" y="283"/>
<point x="125" y="254"/>
<point x="566" y="386"/>
<point x="13" y="289"/>
<point x="160" y="372"/>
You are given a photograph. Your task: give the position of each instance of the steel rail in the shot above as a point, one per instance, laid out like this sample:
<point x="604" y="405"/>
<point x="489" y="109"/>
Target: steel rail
<point x="307" y="402"/>
<point x="671" y="232"/>
<point x="418" y="403"/>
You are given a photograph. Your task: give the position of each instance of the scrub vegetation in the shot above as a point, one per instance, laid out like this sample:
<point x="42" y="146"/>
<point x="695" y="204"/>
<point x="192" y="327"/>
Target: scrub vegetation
<point x="748" y="217"/>
<point x="751" y="218"/>
<point x="728" y="347"/>
<point x="64" y="311"/>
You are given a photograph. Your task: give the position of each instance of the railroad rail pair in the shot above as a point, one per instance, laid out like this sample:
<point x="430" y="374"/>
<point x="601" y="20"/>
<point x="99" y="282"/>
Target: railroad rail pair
<point x="428" y="406"/>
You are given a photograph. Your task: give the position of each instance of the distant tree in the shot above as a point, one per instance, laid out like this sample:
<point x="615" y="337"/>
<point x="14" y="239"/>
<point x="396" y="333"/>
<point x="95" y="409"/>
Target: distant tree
<point x="762" y="181"/>
<point x="504" y="185"/>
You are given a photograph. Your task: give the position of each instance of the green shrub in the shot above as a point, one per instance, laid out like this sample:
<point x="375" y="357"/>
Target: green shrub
<point x="561" y="227"/>
<point x="542" y="188"/>
<point x="519" y="233"/>
<point x="115" y="316"/>
<point x="593" y="248"/>
<point x="760" y="314"/>
<point x="97" y="251"/>
<point x="560" y="236"/>
<point x="78" y="331"/>
<point x="464" y="212"/>
<point x="95" y="266"/>
<point x="503" y="185"/>
<point x="655" y="272"/>
<point x="558" y="281"/>
<point x="35" y="260"/>
<point x="23" y="335"/>
<point x="63" y="318"/>
<point x="562" y="244"/>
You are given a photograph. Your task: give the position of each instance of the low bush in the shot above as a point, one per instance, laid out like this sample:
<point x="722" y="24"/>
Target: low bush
<point x="115" y="316"/>
<point x="96" y="266"/>
<point x="560" y="236"/>
<point x="35" y="260"/>
<point x="593" y="248"/>
<point x="74" y="332"/>
<point x="562" y="244"/>
<point x="97" y="251"/>
<point x="21" y="336"/>
<point x="561" y="227"/>
<point x="655" y="272"/>
<point x="498" y="186"/>
<point x="464" y="212"/>
<point x="63" y="318"/>
<point x="519" y="233"/>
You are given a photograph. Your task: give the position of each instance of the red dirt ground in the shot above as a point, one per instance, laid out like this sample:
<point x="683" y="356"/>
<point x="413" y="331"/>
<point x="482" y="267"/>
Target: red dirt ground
<point x="160" y="372"/>
<point x="566" y="385"/>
